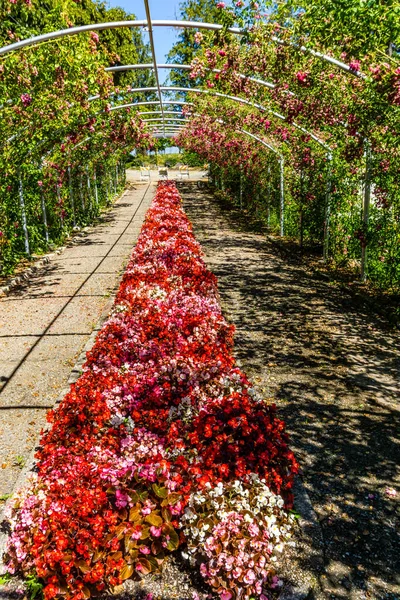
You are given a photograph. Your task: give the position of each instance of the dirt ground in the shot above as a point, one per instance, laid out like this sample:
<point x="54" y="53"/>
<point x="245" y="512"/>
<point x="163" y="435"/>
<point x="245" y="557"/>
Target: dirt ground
<point x="334" y="370"/>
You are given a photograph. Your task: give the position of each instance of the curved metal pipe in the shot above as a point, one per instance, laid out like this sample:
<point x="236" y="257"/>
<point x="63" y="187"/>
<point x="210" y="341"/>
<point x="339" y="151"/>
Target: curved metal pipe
<point x="163" y="23"/>
<point x="37" y="39"/>
<point x="138" y="66"/>
<point x="234" y="99"/>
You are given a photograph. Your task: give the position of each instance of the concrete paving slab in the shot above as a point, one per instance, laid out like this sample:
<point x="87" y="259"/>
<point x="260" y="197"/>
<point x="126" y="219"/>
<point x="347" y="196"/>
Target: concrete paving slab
<point x="82" y="250"/>
<point x="28" y="316"/>
<point x="18" y="437"/>
<point x="55" y="284"/>
<point x="111" y="264"/>
<point x="103" y="238"/>
<point x="100" y="284"/>
<point x="129" y="239"/>
<point x="83" y="264"/>
<point x="80" y="316"/>
<point x="12" y="351"/>
<point x="121" y="250"/>
<point x="38" y="380"/>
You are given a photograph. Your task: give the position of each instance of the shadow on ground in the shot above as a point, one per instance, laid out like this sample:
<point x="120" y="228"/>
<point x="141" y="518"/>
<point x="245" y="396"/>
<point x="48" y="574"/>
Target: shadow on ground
<point x="334" y="370"/>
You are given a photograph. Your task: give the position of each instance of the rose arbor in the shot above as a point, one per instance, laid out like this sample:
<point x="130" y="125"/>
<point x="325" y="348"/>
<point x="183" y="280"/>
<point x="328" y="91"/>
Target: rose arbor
<point x="163" y="443"/>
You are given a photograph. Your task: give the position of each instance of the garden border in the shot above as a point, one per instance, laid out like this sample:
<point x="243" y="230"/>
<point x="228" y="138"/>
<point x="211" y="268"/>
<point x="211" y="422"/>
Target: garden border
<point x="308" y="521"/>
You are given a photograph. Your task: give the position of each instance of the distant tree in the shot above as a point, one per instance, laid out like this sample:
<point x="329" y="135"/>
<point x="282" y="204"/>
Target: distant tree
<point x="185" y="48"/>
<point x="24" y="19"/>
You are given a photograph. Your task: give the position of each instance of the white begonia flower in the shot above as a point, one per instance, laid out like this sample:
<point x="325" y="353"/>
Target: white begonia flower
<point x="247" y="518"/>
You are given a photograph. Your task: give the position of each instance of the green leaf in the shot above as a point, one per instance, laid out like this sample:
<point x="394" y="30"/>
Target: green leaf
<point x="161" y="492"/>
<point x="154" y="519"/>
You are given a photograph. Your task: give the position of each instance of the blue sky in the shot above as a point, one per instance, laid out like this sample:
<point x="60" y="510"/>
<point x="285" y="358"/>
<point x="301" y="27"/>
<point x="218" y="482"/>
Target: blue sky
<point x="164" y="37"/>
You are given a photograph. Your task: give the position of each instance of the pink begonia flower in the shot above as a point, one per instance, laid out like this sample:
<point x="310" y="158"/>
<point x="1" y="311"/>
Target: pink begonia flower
<point x="237" y="572"/>
<point x="391" y="492"/>
<point x="94" y="36"/>
<point x="221" y="4"/>
<point x="155" y="531"/>
<point x="177" y="508"/>
<point x="203" y="570"/>
<point x="121" y="499"/>
<point x="225" y="595"/>
<point x="249" y="577"/>
<point x="253" y="529"/>
<point x="144" y="550"/>
<point x="136" y="535"/>
<point x="40" y="183"/>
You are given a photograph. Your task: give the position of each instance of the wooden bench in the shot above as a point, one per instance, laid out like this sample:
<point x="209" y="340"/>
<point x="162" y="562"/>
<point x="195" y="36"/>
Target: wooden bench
<point x="163" y="173"/>
<point x="145" y="173"/>
<point x="183" y="170"/>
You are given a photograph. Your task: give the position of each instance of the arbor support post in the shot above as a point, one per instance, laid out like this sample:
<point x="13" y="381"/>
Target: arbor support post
<point x="60" y="205"/>
<point x="282" y="198"/>
<point x="96" y="191"/>
<point x="81" y="192"/>
<point x="89" y="189"/>
<point x="44" y="214"/>
<point x="328" y="191"/>
<point x="71" y="197"/>
<point x="366" y="205"/>
<point x="23" y="214"/>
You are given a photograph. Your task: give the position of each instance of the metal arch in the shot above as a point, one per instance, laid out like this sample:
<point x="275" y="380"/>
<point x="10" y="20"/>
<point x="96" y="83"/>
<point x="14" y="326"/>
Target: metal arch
<point x="138" y="66"/>
<point x="162" y="23"/>
<point x="333" y="61"/>
<point x="233" y="98"/>
<point x="153" y="53"/>
<point x="37" y="39"/>
<point x="162" y="119"/>
<point x="149" y="103"/>
<point x="157" y="112"/>
<point x="261" y="141"/>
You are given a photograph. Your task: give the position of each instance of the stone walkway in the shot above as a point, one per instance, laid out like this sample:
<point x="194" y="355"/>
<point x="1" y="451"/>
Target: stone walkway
<point x="45" y="324"/>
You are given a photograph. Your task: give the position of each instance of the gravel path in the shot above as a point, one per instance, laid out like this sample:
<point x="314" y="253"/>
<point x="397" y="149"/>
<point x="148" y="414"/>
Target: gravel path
<point x="46" y="322"/>
<point x="334" y="371"/>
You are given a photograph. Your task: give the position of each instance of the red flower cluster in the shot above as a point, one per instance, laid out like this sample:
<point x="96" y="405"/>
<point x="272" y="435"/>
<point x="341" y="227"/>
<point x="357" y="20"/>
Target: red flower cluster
<point x="159" y="412"/>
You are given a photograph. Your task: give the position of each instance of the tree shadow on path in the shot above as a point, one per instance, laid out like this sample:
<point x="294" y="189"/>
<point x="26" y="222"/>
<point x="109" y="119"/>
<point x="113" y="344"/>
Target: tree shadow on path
<point x="334" y="371"/>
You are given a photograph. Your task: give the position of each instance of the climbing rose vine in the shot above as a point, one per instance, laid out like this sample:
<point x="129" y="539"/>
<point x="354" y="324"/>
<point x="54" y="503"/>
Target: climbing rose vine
<point x="160" y="436"/>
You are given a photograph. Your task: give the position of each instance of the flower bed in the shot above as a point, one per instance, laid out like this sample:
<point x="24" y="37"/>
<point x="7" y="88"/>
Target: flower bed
<point x="161" y="443"/>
